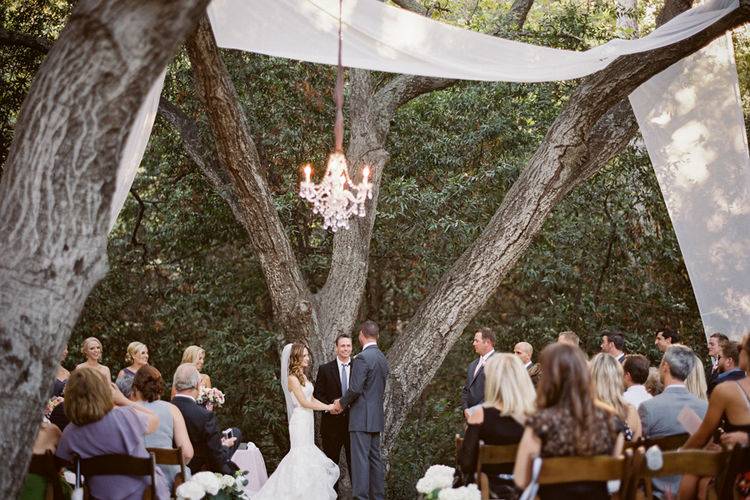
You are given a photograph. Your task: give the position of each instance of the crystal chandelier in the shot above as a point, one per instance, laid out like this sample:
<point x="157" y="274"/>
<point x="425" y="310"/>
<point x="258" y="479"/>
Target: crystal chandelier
<point x="337" y="197"/>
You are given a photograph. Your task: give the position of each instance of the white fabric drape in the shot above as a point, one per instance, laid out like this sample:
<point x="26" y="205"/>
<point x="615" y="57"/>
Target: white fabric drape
<point x="705" y="181"/>
<point x="135" y="146"/>
<point x="384" y="38"/>
<point x="692" y="123"/>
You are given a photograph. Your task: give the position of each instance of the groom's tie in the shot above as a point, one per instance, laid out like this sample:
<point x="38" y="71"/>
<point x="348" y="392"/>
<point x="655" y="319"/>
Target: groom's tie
<point x="344" y="379"/>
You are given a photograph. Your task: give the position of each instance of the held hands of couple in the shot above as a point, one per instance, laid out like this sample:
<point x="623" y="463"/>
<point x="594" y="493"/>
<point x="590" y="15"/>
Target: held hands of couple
<point x="335" y="408"/>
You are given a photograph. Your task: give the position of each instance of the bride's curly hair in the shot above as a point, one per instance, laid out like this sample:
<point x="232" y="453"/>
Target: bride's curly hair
<point x="295" y="362"/>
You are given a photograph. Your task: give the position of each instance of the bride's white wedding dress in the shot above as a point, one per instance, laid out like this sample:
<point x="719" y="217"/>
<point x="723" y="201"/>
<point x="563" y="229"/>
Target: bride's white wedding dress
<point x="305" y="472"/>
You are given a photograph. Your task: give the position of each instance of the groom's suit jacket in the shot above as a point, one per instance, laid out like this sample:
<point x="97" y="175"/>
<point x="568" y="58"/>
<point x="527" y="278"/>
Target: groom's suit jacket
<point x="366" y="388"/>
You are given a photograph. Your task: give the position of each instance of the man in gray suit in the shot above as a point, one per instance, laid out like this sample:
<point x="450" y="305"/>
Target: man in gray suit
<point x="473" y="391"/>
<point x="659" y="414"/>
<point x="365" y="402"/>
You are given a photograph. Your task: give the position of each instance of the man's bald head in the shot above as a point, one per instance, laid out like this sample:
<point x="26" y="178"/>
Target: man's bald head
<point x="524" y="351"/>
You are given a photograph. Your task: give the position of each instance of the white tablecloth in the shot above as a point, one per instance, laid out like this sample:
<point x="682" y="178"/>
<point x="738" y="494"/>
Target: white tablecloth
<point x="251" y="460"/>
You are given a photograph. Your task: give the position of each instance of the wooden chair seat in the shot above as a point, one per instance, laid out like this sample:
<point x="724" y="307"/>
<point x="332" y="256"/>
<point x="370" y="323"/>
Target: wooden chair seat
<point x="116" y="465"/>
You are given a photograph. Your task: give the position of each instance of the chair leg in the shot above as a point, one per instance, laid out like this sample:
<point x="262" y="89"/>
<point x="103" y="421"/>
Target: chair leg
<point x="484" y="483"/>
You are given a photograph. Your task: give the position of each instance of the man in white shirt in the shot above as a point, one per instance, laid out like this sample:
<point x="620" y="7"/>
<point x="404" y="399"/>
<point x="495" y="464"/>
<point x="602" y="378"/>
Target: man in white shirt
<point x="636" y="368"/>
<point x="473" y="391"/>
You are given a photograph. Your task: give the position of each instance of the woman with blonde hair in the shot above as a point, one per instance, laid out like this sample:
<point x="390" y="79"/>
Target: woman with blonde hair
<point x="696" y="381"/>
<point x="92" y="349"/>
<point x="136" y="357"/>
<point x="98" y="427"/>
<point x="508" y="399"/>
<point x="197" y="355"/>
<point x="607" y="376"/>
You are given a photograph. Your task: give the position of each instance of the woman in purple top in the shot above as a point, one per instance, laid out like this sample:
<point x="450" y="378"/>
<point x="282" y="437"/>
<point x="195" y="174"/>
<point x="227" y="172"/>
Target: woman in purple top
<point x="137" y="357"/>
<point x="98" y="427"/>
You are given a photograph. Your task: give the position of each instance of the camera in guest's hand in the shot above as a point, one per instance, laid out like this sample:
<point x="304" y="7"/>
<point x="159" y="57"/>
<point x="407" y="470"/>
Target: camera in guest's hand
<point x="227" y="434"/>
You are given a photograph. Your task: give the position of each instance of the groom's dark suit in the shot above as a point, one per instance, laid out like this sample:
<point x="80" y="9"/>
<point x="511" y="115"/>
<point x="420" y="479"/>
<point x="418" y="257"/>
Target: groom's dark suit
<point x="334" y="429"/>
<point x="366" y="421"/>
<point x="473" y="391"/>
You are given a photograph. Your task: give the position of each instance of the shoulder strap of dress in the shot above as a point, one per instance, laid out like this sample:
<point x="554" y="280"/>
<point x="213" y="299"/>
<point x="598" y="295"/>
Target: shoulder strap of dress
<point x="747" y="398"/>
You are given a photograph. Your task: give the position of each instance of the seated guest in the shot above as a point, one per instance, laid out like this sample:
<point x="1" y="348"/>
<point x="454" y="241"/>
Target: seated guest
<point x="211" y="451"/>
<point x="665" y="338"/>
<point x="713" y="352"/>
<point x="696" y="381"/>
<point x="635" y="373"/>
<point x="98" y="427"/>
<point x="728" y="367"/>
<point x="569" y="337"/>
<point x="524" y="351"/>
<point x="35" y="486"/>
<point x="136" y="357"/>
<point x="653" y="383"/>
<point x="607" y="376"/>
<point x="568" y="423"/>
<point x="613" y="343"/>
<point x="148" y="387"/>
<point x="729" y="406"/>
<point x="92" y="350"/>
<point x="509" y="399"/>
<point x="659" y="414"/>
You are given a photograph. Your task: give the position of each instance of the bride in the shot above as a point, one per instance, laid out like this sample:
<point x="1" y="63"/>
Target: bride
<point x="305" y="472"/>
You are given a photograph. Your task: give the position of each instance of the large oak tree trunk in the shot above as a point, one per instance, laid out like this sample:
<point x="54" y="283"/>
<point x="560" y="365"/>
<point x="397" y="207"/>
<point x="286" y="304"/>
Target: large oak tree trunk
<point x="56" y="191"/>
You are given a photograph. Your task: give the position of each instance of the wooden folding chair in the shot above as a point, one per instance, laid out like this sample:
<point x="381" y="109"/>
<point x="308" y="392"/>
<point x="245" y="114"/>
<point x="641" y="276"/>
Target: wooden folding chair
<point x="457" y="453"/>
<point x="48" y="466"/>
<point x="170" y="456"/>
<point x="676" y="463"/>
<point x="665" y="443"/>
<point x="116" y="465"/>
<point x="738" y="461"/>
<point x="602" y="468"/>
<point x="493" y="455"/>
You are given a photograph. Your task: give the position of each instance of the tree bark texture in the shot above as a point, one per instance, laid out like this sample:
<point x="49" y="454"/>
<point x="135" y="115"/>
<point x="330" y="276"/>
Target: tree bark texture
<point x="56" y="191"/>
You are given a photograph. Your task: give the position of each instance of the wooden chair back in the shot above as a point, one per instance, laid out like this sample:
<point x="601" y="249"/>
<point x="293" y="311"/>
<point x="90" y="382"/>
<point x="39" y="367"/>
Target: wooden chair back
<point x="698" y="462"/>
<point x="48" y="466"/>
<point x="493" y="455"/>
<point x="738" y="461"/>
<point x="171" y="456"/>
<point x="457" y="453"/>
<point x="666" y="443"/>
<point x="560" y="470"/>
<point x="116" y="465"/>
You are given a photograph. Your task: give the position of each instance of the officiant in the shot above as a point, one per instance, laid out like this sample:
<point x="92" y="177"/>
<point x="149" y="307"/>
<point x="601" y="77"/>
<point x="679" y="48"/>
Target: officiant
<point x="332" y="382"/>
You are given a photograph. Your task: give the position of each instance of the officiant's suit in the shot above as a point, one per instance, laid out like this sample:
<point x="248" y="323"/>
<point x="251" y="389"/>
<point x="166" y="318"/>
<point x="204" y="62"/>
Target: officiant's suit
<point x="366" y="419"/>
<point x="334" y="429"/>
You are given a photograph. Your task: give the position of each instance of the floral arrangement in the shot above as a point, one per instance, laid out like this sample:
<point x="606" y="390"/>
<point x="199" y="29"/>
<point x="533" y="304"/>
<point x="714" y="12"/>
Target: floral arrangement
<point x="51" y="405"/>
<point x="213" y="485"/>
<point x="437" y="484"/>
<point x="210" y="398"/>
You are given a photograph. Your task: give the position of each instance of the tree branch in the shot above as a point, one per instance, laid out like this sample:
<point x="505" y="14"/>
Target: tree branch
<point x="251" y="200"/>
<point x="41" y="45"/>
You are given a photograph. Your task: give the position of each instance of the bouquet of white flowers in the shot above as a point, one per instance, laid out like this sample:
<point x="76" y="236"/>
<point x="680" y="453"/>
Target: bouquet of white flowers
<point x="213" y="485"/>
<point x="435" y="479"/>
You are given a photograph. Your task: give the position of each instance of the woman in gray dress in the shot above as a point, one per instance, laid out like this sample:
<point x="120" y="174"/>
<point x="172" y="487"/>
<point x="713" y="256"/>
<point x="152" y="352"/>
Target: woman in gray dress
<point x="148" y="386"/>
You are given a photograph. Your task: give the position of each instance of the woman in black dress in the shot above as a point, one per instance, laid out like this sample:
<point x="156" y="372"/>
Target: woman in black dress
<point x="509" y="399"/>
<point x="568" y="423"/>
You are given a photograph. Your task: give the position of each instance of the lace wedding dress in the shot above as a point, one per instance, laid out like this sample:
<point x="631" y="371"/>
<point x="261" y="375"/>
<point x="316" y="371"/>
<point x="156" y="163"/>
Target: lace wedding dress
<point x="305" y="472"/>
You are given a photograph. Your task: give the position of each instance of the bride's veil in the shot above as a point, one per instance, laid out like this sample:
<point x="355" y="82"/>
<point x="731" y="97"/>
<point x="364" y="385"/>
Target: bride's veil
<point x="284" y="378"/>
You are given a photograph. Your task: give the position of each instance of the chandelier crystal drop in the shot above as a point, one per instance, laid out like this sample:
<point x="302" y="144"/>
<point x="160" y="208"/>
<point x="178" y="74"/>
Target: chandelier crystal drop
<point x="336" y="198"/>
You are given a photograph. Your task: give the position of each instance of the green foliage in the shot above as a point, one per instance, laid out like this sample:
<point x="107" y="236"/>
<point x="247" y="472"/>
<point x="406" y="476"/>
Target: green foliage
<point x="182" y="271"/>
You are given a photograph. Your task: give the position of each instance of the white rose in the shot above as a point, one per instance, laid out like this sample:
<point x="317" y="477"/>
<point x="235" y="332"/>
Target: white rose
<point x="190" y="490"/>
<point x="227" y="481"/>
<point x="441" y="475"/>
<point x="208" y="481"/>
<point x="470" y="492"/>
<point x="426" y="485"/>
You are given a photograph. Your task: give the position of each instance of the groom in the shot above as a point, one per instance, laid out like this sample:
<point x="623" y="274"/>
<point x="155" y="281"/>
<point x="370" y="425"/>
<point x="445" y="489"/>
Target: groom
<point x="365" y="402"/>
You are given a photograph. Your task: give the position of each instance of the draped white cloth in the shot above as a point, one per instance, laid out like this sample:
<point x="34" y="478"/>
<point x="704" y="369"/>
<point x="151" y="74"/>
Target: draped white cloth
<point x="385" y="38"/>
<point x="692" y="123"/>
